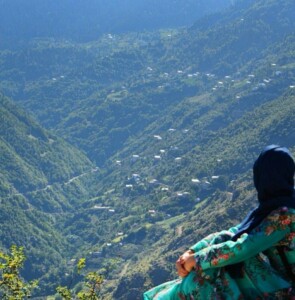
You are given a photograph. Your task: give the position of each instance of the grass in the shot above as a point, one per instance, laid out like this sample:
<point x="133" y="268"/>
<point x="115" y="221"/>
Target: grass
<point x="167" y="223"/>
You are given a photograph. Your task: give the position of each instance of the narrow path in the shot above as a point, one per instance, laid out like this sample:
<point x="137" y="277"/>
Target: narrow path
<point x="49" y="186"/>
<point x="179" y="230"/>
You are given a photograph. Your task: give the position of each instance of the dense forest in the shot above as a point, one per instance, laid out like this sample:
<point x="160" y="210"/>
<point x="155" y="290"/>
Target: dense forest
<point x="128" y="147"/>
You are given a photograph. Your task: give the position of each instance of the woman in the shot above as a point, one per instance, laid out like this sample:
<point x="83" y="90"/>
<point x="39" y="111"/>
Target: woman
<point x="270" y="229"/>
<point x="217" y="283"/>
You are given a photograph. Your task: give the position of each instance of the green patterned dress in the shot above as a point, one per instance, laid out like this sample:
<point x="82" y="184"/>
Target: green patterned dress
<point x="264" y="275"/>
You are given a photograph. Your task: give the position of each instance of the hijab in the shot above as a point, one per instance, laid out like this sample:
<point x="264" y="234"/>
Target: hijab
<point x="273" y="175"/>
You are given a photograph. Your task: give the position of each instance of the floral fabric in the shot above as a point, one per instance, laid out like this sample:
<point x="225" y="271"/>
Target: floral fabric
<point x="264" y="273"/>
<point x="212" y="284"/>
<point x="278" y="228"/>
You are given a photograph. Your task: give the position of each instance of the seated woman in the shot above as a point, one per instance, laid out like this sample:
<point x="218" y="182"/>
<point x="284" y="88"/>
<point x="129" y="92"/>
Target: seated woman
<point x="234" y="269"/>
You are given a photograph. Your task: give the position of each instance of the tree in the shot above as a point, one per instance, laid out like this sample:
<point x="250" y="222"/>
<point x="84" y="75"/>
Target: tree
<point x="91" y="287"/>
<point x="12" y="286"/>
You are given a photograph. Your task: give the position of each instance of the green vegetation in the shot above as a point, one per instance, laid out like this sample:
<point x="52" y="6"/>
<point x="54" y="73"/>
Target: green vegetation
<point x="92" y="284"/>
<point x="149" y="142"/>
<point x="12" y="286"/>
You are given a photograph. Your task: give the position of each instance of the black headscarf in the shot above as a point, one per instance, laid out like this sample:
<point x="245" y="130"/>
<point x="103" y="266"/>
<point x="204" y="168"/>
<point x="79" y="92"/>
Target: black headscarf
<point x="273" y="174"/>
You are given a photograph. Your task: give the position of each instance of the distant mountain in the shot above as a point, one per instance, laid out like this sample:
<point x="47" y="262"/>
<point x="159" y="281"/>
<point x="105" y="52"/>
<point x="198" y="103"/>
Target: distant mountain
<point x="224" y="43"/>
<point x="87" y="20"/>
<point x="127" y="81"/>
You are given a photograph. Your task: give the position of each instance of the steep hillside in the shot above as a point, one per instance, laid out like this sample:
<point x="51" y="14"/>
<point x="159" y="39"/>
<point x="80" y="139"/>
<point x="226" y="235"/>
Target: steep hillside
<point x="41" y="179"/>
<point x="32" y="158"/>
<point x="225" y="44"/>
<point x="85" y="21"/>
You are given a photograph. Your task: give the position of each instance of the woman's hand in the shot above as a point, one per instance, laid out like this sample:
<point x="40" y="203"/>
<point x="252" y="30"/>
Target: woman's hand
<point x="188" y="262"/>
<point x="182" y="272"/>
<point x="186" y="254"/>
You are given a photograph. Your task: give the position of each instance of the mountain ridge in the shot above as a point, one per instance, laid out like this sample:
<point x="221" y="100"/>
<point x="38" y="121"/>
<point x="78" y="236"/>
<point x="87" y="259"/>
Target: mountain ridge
<point x="84" y="22"/>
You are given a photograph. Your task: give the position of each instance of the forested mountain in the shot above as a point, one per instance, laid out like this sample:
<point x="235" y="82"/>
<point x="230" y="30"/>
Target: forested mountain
<point x="32" y="158"/>
<point x="87" y="20"/>
<point x="41" y="179"/>
<point x="174" y="119"/>
<point x="130" y="80"/>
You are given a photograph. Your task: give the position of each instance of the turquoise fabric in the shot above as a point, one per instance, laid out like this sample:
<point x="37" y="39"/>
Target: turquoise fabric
<point x="212" y="284"/>
<point x="264" y="275"/>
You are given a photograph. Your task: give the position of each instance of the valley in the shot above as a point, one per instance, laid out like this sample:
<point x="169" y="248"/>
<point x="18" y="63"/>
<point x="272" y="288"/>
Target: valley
<point x="128" y="148"/>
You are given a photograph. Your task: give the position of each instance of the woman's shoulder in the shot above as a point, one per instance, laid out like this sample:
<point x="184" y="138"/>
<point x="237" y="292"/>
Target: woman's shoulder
<point x="279" y="219"/>
<point x="282" y="211"/>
